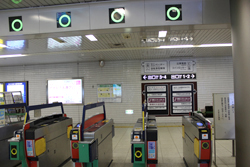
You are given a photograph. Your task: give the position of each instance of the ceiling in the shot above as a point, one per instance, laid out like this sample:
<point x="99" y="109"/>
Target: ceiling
<point x="17" y="4"/>
<point x="114" y="44"/>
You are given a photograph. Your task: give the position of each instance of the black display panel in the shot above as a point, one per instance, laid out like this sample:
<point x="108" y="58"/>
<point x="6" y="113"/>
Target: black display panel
<point x="15" y="24"/>
<point x="13" y="150"/>
<point x="116" y="15"/>
<point x="173" y="12"/>
<point x="138" y="154"/>
<point x="63" y="19"/>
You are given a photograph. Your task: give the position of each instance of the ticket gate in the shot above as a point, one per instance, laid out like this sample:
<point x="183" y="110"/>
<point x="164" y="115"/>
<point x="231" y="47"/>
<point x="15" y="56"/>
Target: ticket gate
<point x="197" y="143"/>
<point x="43" y="141"/>
<point x="144" y="152"/>
<point x="91" y="140"/>
<point x="6" y="132"/>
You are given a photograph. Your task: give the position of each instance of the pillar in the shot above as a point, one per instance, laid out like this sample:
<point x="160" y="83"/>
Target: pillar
<point x="240" y="22"/>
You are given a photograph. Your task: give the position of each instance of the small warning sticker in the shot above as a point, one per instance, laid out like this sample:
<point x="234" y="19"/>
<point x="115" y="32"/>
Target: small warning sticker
<point x="205" y="136"/>
<point x="74" y="137"/>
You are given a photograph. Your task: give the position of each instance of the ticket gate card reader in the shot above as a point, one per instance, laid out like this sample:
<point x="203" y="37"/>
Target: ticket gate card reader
<point x="17" y="151"/>
<point x="197" y="144"/>
<point x="91" y="141"/>
<point x="138" y="153"/>
<point x="144" y="143"/>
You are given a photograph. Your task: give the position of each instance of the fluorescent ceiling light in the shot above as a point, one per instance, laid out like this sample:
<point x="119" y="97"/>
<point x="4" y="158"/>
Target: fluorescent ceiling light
<point x="162" y="34"/>
<point x="193" y="46"/>
<point x="91" y="37"/>
<point x="175" y="46"/>
<point x="214" y="45"/>
<point x="15" y="55"/>
<point x="3" y="46"/>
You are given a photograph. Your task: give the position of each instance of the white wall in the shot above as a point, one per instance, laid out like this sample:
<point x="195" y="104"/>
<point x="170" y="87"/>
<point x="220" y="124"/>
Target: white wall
<point x="214" y="75"/>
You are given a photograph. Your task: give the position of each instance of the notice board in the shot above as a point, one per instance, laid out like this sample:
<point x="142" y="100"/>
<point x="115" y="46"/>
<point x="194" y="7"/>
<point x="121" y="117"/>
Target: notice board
<point x="111" y="93"/>
<point x="224" y="116"/>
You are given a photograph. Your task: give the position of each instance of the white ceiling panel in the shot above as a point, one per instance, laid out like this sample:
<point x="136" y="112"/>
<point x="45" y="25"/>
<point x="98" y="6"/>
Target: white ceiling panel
<point x="118" y="44"/>
<point x="9" y="4"/>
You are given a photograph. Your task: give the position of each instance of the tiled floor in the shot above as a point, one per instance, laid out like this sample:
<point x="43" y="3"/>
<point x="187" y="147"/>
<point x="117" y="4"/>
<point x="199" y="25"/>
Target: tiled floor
<point x="169" y="149"/>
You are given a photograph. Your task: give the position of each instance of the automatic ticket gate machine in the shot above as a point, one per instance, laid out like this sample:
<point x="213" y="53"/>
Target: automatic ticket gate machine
<point x="6" y="132"/>
<point x="197" y="141"/>
<point x="43" y="141"/>
<point x="144" y="152"/>
<point x="91" y="140"/>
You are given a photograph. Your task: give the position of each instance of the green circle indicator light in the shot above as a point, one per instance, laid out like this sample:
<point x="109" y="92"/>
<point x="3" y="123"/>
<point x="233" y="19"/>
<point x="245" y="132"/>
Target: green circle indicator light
<point x="67" y="24"/>
<point x="13" y="25"/>
<point x="178" y="13"/>
<point x="114" y="19"/>
<point x="16" y="1"/>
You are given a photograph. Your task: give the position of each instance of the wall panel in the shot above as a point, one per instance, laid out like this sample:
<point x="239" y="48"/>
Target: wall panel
<point x="214" y="75"/>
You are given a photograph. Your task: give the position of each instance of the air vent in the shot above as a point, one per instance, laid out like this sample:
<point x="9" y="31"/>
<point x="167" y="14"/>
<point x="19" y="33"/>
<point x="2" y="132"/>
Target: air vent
<point x="117" y="45"/>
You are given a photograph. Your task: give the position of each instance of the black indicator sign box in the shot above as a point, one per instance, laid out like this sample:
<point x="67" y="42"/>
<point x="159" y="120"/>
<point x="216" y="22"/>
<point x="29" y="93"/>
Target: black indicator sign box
<point x="138" y="154"/>
<point x="15" y="24"/>
<point x="116" y="15"/>
<point x="157" y="99"/>
<point x="173" y="12"/>
<point x="63" y="19"/>
<point x="13" y="150"/>
<point x="168" y="76"/>
<point x="182" y="99"/>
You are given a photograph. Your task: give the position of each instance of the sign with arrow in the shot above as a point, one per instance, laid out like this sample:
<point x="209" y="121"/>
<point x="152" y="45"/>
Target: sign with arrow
<point x="168" y="76"/>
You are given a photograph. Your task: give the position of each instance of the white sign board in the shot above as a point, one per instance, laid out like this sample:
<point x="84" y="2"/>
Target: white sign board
<point x="182" y="88"/>
<point x="155" y="67"/>
<point x="168" y="67"/>
<point x="182" y="66"/>
<point x="224" y="116"/>
<point x="156" y="88"/>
